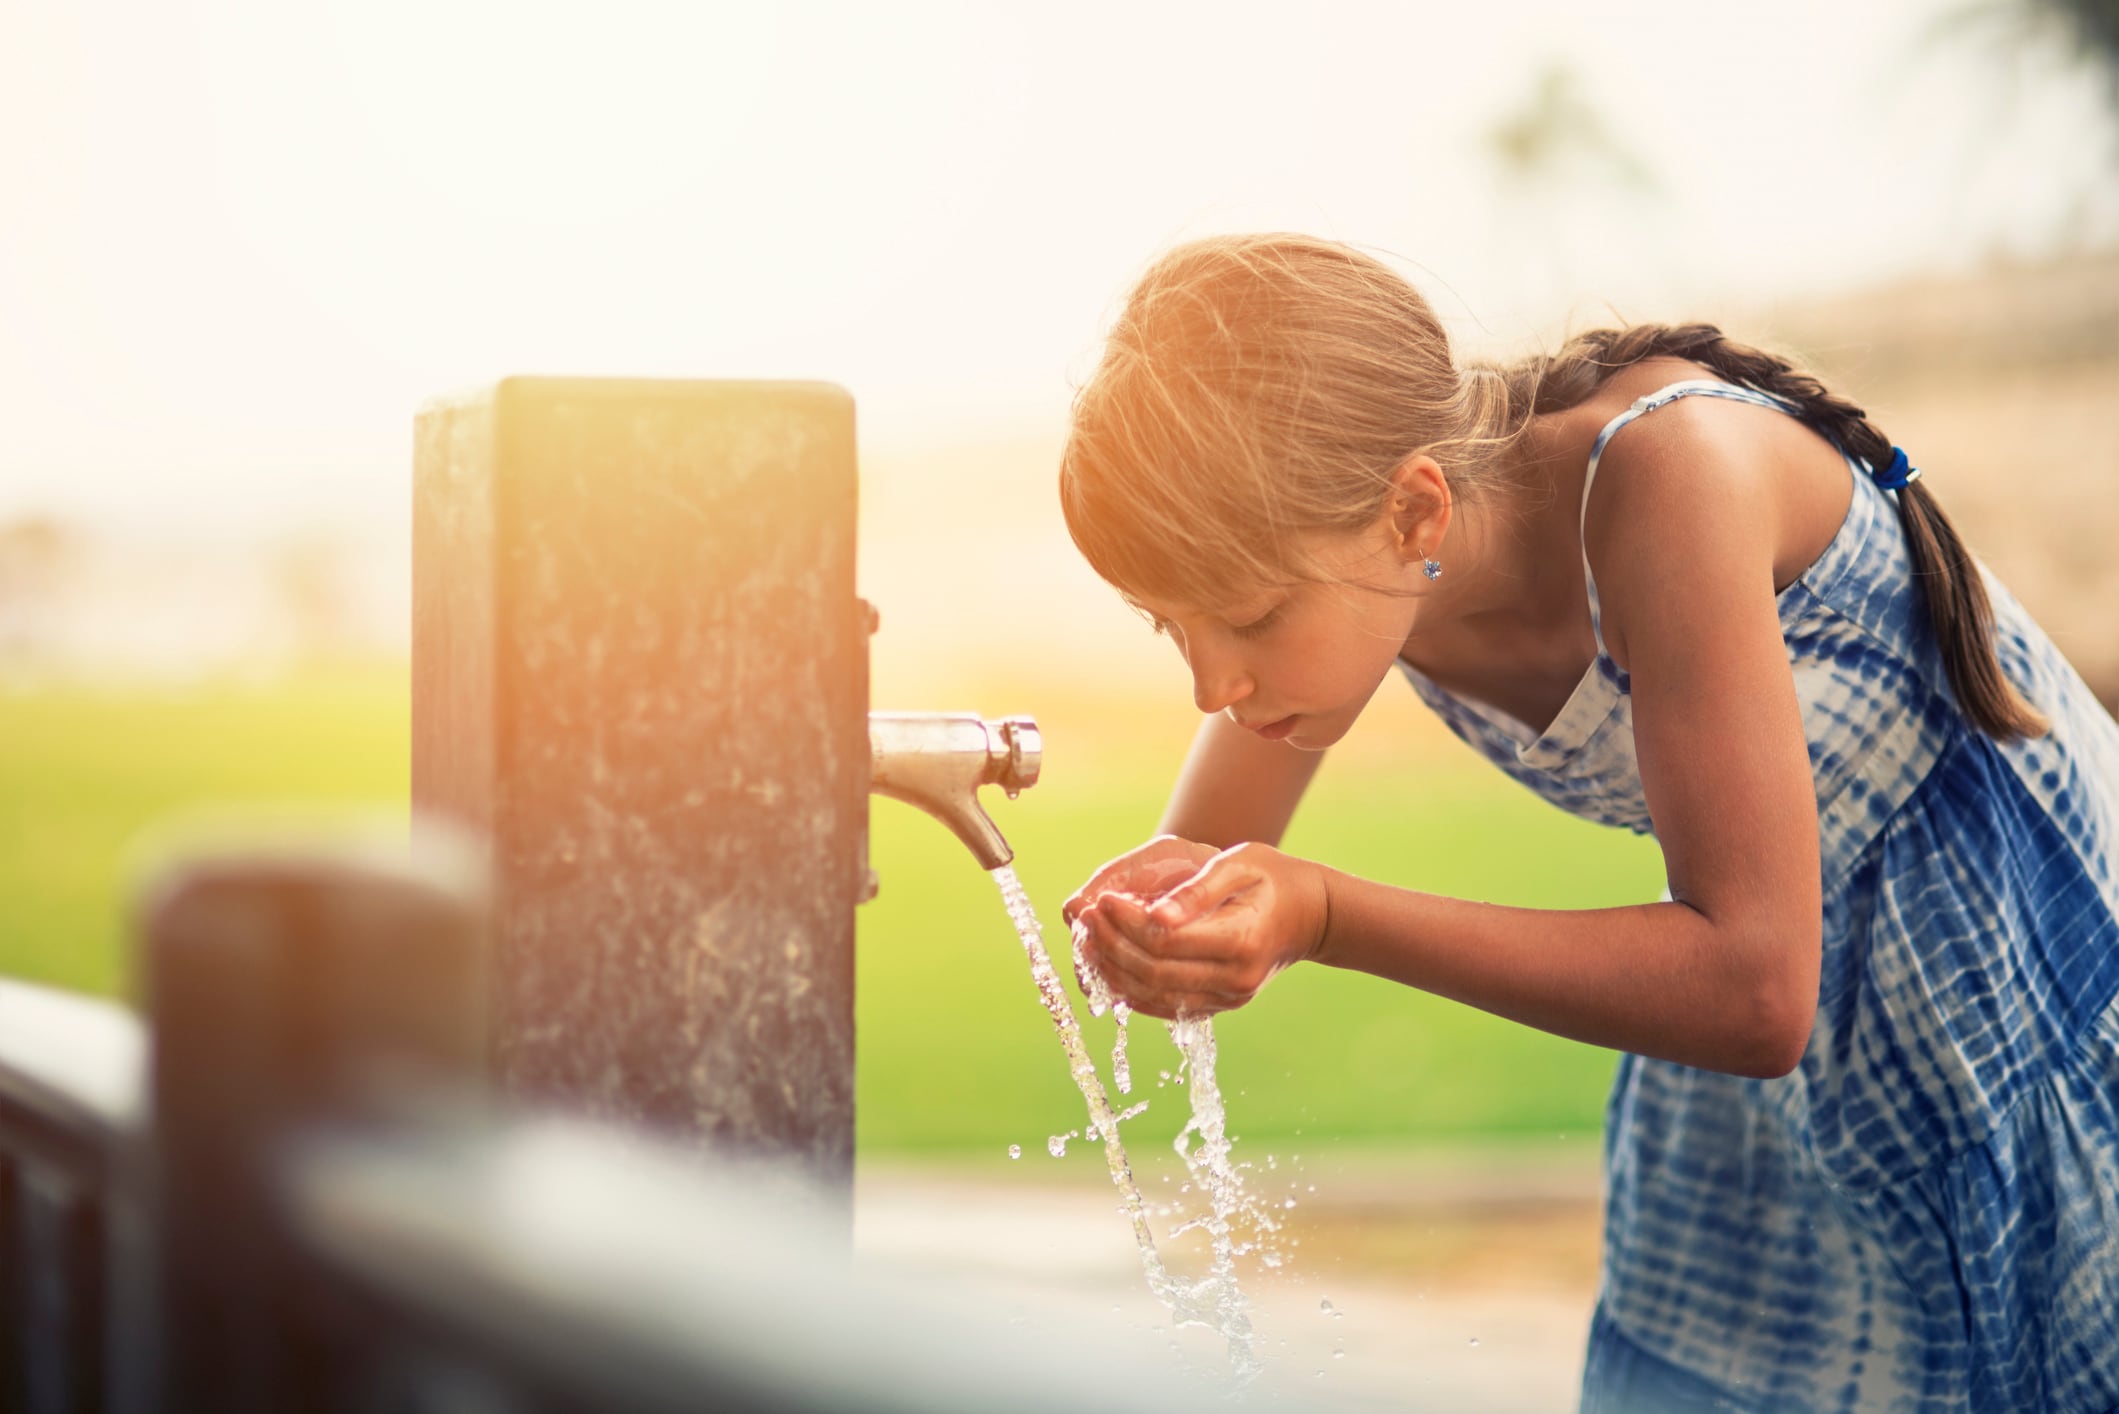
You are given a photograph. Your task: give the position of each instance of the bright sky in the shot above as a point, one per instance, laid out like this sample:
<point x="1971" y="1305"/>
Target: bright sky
<point x="245" y="238"/>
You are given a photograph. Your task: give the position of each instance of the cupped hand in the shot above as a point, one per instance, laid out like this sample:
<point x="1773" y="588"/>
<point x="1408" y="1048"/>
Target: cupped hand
<point x="1146" y="871"/>
<point x="1210" y="941"/>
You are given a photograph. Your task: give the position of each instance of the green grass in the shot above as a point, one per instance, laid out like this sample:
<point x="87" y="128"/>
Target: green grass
<point x="955" y="1052"/>
<point x="84" y="772"/>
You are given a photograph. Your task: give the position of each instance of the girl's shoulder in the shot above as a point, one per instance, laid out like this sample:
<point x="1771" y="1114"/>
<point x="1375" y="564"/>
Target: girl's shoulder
<point x="1661" y="472"/>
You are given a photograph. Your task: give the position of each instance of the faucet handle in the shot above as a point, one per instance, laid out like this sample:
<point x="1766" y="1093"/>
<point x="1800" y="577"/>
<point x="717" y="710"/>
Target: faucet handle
<point x="1026" y="754"/>
<point x="938" y="760"/>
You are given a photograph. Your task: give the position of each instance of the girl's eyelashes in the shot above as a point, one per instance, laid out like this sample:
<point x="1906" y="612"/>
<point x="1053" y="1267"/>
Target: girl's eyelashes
<point x="1258" y="625"/>
<point x="1252" y="629"/>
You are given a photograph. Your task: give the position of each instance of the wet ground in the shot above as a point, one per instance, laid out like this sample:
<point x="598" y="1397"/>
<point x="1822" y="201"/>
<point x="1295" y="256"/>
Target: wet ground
<point x="1461" y="1280"/>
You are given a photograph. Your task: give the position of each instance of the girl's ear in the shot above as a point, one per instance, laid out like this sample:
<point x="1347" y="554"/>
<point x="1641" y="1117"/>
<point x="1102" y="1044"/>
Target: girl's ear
<point x="1420" y="507"/>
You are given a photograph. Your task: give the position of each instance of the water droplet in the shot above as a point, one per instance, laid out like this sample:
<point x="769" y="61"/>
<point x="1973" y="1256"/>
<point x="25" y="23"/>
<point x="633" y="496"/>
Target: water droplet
<point x="1327" y="1308"/>
<point x="1338" y="1354"/>
<point x="1289" y="1204"/>
<point x="1475" y="1341"/>
<point x="1057" y="1145"/>
<point x="1015" y="1151"/>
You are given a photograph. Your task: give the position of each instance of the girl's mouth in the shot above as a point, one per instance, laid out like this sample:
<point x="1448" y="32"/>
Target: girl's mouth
<point x="1274" y="731"/>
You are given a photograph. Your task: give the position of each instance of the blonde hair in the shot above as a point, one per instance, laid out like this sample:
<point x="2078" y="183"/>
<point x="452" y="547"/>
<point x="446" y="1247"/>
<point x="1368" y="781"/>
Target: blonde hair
<point x="1256" y="388"/>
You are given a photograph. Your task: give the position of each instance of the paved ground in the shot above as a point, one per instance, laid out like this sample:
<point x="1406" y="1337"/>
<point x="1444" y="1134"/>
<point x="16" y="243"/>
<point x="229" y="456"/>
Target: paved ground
<point x="1462" y="1282"/>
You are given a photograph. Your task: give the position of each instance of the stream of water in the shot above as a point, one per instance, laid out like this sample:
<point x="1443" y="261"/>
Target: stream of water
<point x="1215" y="1300"/>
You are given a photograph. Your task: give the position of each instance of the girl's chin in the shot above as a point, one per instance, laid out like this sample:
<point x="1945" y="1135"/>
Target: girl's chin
<point x="1314" y="734"/>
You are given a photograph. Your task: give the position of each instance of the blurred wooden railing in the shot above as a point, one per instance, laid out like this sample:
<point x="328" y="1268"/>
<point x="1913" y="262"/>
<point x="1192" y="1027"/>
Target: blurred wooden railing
<point x="70" y="1086"/>
<point x="285" y="1185"/>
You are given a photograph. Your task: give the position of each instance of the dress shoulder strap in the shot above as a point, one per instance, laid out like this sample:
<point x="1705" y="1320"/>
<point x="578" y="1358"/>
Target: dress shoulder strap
<point x="1709" y="387"/>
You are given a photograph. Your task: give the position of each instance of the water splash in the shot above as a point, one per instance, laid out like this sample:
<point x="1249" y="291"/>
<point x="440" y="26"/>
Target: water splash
<point x="1121" y="1068"/>
<point x="1214" y="1301"/>
<point x="1232" y="1207"/>
<point x="1101" y="1000"/>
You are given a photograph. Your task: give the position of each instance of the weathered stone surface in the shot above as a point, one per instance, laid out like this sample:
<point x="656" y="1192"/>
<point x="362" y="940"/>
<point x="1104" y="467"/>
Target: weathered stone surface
<point x="639" y="665"/>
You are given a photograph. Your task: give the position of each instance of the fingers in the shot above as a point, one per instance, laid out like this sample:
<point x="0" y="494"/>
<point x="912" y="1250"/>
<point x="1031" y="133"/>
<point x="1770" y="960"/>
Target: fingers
<point x="1222" y="879"/>
<point x="1134" y="920"/>
<point x="1114" y="875"/>
<point x="1154" y="876"/>
<point x="1158" y="985"/>
<point x="1136" y="954"/>
<point x="1146" y="870"/>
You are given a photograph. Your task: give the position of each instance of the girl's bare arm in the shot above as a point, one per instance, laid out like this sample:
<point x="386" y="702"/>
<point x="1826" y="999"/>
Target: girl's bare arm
<point x="1236" y="787"/>
<point x="1725" y="975"/>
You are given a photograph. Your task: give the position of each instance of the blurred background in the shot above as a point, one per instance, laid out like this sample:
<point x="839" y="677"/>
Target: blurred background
<point x="245" y="240"/>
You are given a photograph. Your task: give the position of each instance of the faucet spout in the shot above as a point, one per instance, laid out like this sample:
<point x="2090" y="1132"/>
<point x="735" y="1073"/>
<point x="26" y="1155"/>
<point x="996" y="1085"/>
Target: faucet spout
<point x="938" y="760"/>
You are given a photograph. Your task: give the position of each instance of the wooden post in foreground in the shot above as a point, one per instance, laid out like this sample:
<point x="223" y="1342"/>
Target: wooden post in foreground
<point x="640" y="670"/>
<point x="288" y="991"/>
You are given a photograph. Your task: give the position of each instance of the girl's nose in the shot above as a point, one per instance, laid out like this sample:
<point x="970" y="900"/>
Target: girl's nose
<point x="1217" y="682"/>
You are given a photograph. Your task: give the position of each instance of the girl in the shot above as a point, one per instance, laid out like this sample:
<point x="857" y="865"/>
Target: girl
<point x="1863" y="1146"/>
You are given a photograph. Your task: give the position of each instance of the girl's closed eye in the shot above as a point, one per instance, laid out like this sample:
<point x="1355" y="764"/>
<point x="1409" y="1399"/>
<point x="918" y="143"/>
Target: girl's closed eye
<point x="1259" y="625"/>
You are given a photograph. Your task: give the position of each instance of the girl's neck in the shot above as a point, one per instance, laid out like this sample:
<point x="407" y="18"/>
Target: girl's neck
<point x="1511" y="567"/>
<point x="1518" y="587"/>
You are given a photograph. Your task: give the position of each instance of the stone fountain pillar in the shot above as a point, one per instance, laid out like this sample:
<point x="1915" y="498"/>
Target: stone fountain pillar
<point x="640" y="670"/>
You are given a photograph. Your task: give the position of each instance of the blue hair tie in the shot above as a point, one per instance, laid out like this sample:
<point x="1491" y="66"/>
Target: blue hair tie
<point x="1899" y="473"/>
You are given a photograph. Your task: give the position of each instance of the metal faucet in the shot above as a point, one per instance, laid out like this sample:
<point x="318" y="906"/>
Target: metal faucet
<point x="938" y="760"/>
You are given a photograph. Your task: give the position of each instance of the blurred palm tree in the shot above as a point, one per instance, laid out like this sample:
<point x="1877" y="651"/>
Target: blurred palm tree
<point x="2031" y="42"/>
<point x="1564" y="181"/>
<point x="1556" y="134"/>
<point x="2085" y="32"/>
<point x="2092" y="27"/>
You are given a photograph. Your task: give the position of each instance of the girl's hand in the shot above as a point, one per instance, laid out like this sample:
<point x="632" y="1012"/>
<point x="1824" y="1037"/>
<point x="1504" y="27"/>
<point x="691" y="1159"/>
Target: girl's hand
<point x="1146" y="871"/>
<point x="1211" y="942"/>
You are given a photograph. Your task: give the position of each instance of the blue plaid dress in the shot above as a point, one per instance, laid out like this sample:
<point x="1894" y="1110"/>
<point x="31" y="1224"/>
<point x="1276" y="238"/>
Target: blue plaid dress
<point x="1925" y="1214"/>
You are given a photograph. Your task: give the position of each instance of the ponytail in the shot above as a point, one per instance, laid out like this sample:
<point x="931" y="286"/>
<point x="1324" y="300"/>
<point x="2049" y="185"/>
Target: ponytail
<point x="1958" y="608"/>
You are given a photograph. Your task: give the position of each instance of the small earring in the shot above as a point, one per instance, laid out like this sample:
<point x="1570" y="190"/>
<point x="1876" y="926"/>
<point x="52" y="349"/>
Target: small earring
<point x="1432" y="568"/>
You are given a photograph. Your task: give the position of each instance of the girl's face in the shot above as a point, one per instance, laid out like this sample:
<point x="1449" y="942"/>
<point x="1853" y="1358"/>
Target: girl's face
<point x="1297" y="663"/>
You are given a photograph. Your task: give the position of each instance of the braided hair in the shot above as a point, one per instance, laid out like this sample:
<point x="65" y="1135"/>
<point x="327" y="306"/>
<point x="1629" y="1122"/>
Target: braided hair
<point x="1958" y="608"/>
